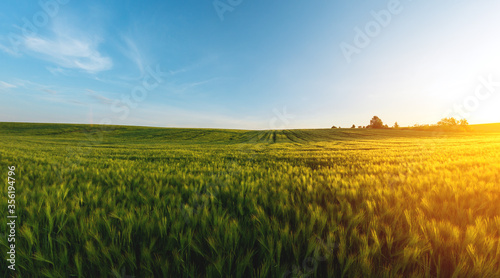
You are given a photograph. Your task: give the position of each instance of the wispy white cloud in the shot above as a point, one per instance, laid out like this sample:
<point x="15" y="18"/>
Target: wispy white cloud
<point x="57" y="70"/>
<point x="34" y="86"/>
<point x="5" y="85"/>
<point x="52" y="92"/>
<point x="132" y="52"/>
<point x="116" y="81"/>
<point x="69" y="52"/>
<point x="194" y="84"/>
<point x="63" y="100"/>
<point x="175" y="88"/>
<point x="205" y="62"/>
<point x="9" y="50"/>
<point x="64" y="46"/>
<point x="102" y="99"/>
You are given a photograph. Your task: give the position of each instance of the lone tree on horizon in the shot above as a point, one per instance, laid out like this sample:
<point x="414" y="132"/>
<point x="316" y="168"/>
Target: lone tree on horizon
<point x="376" y="122"/>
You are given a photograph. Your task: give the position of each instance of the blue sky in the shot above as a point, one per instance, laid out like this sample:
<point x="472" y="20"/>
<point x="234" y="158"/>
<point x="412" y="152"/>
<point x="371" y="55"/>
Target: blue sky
<point x="249" y="64"/>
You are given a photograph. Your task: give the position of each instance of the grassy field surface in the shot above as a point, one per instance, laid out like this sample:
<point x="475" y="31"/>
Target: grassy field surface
<point x="121" y="201"/>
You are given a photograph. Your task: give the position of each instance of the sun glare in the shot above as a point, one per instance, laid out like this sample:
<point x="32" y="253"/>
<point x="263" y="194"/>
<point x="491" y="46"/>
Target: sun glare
<point x="488" y="112"/>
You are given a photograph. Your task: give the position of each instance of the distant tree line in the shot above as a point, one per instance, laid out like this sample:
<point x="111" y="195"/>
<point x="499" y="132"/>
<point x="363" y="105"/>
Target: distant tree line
<point x="445" y="124"/>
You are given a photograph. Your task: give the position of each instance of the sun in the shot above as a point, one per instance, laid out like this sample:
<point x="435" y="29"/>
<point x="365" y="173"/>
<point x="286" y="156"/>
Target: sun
<point x="488" y="111"/>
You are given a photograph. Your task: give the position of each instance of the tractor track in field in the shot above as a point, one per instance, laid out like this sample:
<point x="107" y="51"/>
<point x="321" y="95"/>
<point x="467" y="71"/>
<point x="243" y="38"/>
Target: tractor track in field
<point x="253" y="138"/>
<point x="290" y="135"/>
<point x="285" y="132"/>
<point x="298" y="137"/>
<point x="262" y="137"/>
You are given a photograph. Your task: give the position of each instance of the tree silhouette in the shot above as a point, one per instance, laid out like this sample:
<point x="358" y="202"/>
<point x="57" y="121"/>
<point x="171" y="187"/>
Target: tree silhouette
<point x="396" y="125"/>
<point x="353" y="126"/>
<point x="376" y="122"/>
<point x="453" y="124"/>
<point x="448" y="122"/>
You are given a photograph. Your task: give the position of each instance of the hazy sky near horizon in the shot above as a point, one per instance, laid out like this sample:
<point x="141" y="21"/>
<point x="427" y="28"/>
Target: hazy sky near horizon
<point x="249" y="64"/>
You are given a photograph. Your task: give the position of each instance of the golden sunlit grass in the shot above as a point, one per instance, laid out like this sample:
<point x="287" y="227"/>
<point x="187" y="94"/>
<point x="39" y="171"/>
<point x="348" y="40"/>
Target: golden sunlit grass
<point x="215" y="203"/>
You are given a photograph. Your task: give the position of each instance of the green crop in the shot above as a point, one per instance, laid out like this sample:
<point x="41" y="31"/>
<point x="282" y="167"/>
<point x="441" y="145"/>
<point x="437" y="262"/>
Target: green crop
<point x="96" y="201"/>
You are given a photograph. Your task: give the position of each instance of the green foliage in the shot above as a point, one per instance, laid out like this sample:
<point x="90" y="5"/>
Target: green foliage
<point x="151" y="202"/>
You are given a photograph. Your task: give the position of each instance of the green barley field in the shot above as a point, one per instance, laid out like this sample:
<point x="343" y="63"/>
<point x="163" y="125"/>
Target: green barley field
<point x="119" y="201"/>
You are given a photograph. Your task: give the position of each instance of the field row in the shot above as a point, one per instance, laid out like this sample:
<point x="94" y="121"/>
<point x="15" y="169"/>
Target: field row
<point x="211" y="203"/>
